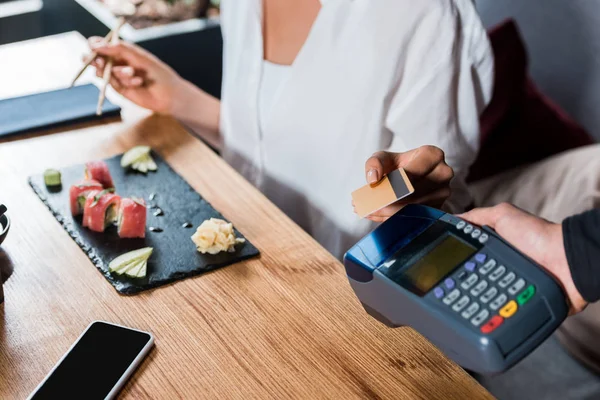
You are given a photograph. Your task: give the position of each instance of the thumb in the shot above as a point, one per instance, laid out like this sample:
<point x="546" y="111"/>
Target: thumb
<point x="485" y="215"/>
<point x="384" y="162"/>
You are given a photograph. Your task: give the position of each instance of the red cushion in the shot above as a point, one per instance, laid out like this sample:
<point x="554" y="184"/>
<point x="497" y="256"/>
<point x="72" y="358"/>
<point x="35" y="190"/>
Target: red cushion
<point x="520" y="125"/>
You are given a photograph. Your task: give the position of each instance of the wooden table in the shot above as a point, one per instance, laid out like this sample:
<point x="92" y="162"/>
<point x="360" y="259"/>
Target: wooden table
<point x="285" y="325"/>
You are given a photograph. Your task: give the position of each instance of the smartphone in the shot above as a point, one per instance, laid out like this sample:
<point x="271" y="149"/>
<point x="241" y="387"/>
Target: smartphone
<point x="97" y="365"/>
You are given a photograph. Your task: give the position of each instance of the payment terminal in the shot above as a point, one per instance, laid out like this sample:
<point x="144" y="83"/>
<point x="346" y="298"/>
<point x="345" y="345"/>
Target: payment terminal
<point x="473" y="295"/>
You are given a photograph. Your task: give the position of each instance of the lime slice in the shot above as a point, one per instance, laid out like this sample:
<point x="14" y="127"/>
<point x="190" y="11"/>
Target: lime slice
<point x="133" y="155"/>
<point x="142" y="167"/>
<point x="125" y="268"/>
<point x="134" y="271"/>
<point x="142" y="272"/>
<point x="124" y="259"/>
<point x="150" y="163"/>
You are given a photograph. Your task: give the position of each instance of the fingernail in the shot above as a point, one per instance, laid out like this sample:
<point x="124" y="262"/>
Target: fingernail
<point x="137" y="81"/>
<point x="128" y="71"/>
<point x="372" y="176"/>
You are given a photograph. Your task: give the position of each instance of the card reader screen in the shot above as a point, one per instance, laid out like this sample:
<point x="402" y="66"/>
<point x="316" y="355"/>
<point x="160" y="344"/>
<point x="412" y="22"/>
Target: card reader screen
<point x="436" y="264"/>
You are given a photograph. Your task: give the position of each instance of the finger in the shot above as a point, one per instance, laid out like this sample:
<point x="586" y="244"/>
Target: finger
<point x="116" y="84"/>
<point x="129" y="53"/>
<point x="99" y="62"/>
<point x="124" y="72"/>
<point x="417" y="163"/>
<point x="440" y="177"/>
<point x="374" y="166"/>
<point x="136" y="81"/>
<point x="95" y="41"/>
<point x="435" y="199"/>
<point x="382" y="163"/>
<point x="423" y="161"/>
<point x="483" y="216"/>
<point x="127" y="77"/>
<point x="388" y="211"/>
<point x="377" y="218"/>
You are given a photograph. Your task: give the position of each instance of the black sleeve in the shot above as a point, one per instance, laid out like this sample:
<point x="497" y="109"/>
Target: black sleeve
<point x="582" y="245"/>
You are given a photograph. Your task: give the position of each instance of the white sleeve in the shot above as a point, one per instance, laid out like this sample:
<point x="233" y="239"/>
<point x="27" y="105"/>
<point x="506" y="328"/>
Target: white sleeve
<point x="440" y="102"/>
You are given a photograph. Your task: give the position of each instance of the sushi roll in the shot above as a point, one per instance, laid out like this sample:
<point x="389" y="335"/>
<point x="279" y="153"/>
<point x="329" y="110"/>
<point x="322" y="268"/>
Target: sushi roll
<point x="78" y="193"/>
<point x="131" y="222"/>
<point x="98" y="171"/>
<point x="100" y="209"/>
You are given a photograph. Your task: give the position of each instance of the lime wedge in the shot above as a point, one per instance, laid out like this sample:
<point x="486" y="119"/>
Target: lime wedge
<point x="133" y="155"/>
<point x="124" y="260"/>
<point x="150" y="163"/>
<point x="142" y="272"/>
<point x="134" y="272"/>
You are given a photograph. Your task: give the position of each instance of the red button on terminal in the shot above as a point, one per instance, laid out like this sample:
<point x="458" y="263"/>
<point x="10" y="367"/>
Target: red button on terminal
<point x="492" y="324"/>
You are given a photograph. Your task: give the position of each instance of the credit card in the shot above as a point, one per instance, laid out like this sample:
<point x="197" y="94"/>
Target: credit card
<point x="371" y="198"/>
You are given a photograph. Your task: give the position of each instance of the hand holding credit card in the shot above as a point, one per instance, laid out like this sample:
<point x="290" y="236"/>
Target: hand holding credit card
<point x="373" y="197"/>
<point x="418" y="176"/>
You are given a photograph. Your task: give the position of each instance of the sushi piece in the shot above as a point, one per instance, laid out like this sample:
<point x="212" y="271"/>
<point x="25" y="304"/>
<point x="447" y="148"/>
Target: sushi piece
<point x="98" y="171"/>
<point x="100" y="209"/>
<point x="78" y="193"/>
<point x="131" y="222"/>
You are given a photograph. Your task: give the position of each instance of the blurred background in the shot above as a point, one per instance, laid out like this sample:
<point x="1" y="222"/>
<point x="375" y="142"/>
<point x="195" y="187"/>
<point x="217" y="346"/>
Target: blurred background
<point x="184" y="33"/>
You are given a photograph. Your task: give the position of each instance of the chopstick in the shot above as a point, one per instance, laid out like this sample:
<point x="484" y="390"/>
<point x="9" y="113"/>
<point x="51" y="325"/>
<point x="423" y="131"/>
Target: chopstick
<point x="94" y="54"/>
<point x="108" y="67"/>
<point x="90" y="59"/>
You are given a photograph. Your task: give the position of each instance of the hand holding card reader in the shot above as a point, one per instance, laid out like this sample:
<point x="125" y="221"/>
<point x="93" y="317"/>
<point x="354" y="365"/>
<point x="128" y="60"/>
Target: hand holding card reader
<point x="473" y="295"/>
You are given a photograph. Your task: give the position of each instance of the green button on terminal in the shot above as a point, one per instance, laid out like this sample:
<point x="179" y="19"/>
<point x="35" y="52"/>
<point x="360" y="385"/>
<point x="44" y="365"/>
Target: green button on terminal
<point x="526" y="295"/>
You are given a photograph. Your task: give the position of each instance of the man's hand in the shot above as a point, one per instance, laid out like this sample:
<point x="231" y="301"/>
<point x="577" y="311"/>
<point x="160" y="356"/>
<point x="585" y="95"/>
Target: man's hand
<point x="426" y="169"/>
<point x="540" y="240"/>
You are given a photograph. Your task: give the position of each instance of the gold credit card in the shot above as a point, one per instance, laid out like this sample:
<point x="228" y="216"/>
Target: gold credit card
<point x="371" y="198"/>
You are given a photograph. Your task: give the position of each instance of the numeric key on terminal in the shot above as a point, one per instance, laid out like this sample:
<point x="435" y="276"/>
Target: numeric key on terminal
<point x="451" y="297"/>
<point x="487" y="267"/>
<point x="470" y="281"/>
<point x="489" y="295"/>
<point x="498" y="272"/>
<point x="518" y="285"/>
<point x="479" y="318"/>
<point x="477" y="290"/>
<point x="459" y="305"/>
<point x="498" y="302"/>
<point x="507" y="280"/>
<point x="470" y="311"/>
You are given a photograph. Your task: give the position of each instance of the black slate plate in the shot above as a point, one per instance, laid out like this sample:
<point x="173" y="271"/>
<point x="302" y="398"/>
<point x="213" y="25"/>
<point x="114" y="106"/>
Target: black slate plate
<point x="175" y="256"/>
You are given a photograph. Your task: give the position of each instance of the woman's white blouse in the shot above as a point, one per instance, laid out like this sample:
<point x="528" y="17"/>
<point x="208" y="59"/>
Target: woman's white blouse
<point x="273" y="77"/>
<point x="372" y="75"/>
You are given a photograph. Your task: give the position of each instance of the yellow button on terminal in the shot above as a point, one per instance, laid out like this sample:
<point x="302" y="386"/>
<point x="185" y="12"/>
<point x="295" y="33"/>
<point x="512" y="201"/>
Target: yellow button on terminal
<point x="509" y="309"/>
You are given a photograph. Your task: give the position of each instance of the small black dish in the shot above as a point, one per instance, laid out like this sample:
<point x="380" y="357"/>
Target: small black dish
<point x="5" y="226"/>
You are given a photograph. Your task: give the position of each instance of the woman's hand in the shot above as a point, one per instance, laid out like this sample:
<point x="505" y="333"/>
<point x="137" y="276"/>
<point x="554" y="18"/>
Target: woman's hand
<point x="426" y="169"/>
<point x="540" y="240"/>
<point x="138" y="75"/>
